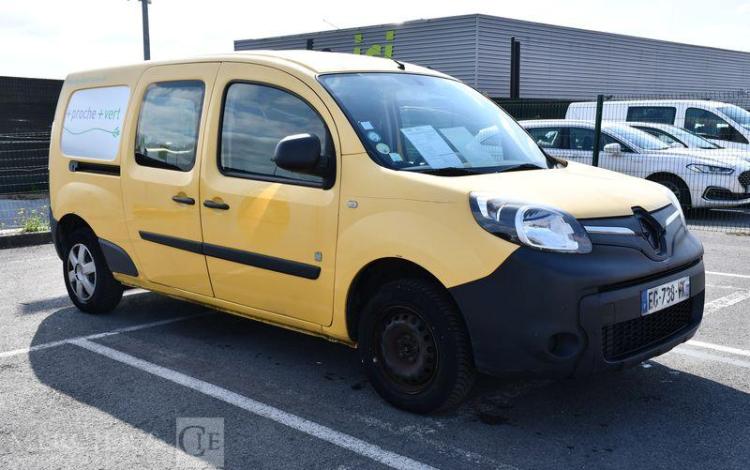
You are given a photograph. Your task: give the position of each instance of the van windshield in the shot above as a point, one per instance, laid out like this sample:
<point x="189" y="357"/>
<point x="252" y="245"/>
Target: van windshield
<point x="737" y="114"/>
<point x="425" y="123"/>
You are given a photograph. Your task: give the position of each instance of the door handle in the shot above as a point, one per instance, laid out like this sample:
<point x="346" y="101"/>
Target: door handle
<point x="183" y="200"/>
<point x="215" y="205"/>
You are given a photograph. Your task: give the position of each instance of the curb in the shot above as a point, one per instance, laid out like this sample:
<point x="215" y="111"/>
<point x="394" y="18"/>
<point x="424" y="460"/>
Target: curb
<point x="25" y="239"/>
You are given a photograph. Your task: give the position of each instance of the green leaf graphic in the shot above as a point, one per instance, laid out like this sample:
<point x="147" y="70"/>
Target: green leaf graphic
<point x="114" y="132"/>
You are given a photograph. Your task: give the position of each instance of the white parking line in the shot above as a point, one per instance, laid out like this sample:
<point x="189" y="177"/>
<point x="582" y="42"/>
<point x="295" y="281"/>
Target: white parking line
<point x="716" y="273"/>
<point x="712" y="357"/>
<point x="298" y="423"/>
<point x="726" y="301"/>
<point x="719" y="347"/>
<point x="117" y="331"/>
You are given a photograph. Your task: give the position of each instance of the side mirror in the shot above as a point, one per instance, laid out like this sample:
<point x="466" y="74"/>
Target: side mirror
<point x="299" y="153"/>
<point x="613" y="149"/>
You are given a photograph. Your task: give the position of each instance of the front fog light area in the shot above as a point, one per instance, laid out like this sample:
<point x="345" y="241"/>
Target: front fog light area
<point x="537" y="226"/>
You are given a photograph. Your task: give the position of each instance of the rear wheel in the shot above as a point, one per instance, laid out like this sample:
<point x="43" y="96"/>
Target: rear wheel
<point x="415" y="348"/>
<point x="89" y="282"/>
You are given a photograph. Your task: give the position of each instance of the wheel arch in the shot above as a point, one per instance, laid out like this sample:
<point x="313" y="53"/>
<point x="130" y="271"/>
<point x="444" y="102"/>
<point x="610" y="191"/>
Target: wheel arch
<point x="665" y="175"/>
<point x="64" y="227"/>
<point x="375" y="274"/>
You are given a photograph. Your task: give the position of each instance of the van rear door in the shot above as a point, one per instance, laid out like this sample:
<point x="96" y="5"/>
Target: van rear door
<point x="160" y="174"/>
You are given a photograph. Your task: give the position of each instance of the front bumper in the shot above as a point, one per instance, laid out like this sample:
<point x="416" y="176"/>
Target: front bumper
<point x="558" y="315"/>
<point x="722" y="197"/>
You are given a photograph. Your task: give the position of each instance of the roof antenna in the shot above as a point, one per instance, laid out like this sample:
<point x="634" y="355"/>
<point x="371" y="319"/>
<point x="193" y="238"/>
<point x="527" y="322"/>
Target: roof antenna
<point x="401" y="66"/>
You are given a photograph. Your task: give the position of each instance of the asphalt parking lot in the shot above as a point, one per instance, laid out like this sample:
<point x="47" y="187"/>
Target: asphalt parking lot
<point x="80" y="391"/>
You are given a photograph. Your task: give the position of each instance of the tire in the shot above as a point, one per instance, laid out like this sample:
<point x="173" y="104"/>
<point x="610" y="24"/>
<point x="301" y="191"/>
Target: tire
<point x="678" y="187"/>
<point x="90" y="284"/>
<point x="414" y="347"/>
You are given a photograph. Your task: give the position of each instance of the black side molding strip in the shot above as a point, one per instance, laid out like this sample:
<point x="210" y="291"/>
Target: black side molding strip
<point x="174" y="242"/>
<point x="271" y="263"/>
<point x="97" y="168"/>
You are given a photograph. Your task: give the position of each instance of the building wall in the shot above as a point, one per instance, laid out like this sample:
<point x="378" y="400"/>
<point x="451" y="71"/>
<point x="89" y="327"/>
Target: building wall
<point x="444" y="44"/>
<point x="560" y="62"/>
<point x="556" y="62"/>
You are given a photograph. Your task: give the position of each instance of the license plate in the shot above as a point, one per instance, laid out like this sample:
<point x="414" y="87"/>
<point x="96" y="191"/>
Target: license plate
<point x="663" y="296"/>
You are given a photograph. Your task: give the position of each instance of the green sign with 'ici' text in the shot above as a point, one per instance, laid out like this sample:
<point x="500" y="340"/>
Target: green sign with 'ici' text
<point x="379" y="50"/>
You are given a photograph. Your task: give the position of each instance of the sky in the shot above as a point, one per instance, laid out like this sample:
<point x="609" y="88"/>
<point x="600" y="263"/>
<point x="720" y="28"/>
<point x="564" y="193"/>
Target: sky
<point x="51" y="38"/>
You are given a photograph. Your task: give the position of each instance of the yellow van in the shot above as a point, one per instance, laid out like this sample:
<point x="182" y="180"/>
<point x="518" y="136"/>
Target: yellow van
<point x="371" y="202"/>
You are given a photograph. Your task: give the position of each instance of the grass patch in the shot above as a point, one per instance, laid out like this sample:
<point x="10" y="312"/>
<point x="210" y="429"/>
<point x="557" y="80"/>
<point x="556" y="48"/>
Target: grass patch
<point x="34" y="220"/>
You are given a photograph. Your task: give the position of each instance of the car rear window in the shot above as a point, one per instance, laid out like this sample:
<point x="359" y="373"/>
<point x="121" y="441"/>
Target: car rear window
<point x="656" y="114"/>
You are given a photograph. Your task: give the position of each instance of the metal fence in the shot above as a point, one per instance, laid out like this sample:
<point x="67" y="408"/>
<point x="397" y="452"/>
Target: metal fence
<point x="696" y="145"/>
<point x="24" y="180"/>
<point x="27" y="107"/>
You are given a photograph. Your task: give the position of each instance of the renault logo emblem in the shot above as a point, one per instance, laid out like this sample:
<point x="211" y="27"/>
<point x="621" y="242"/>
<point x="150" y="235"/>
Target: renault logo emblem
<point x="651" y="230"/>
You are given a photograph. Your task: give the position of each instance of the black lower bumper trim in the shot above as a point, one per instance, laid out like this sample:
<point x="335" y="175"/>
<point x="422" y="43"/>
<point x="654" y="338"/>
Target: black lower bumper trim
<point x="543" y="314"/>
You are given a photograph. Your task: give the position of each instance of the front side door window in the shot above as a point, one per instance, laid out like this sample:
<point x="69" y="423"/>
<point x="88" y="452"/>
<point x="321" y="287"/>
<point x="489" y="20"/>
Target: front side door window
<point x="256" y="117"/>
<point x="709" y="125"/>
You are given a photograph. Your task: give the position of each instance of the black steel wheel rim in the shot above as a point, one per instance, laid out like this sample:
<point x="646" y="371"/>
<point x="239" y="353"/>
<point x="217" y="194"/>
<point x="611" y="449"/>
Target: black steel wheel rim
<point x="406" y="350"/>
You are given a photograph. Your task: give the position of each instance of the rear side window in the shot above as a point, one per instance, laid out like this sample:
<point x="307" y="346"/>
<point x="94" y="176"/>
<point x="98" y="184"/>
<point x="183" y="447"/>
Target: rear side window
<point x="547" y="137"/>
<point x="255" y="119"/>
<point x="93" y="122"/>
<point x="656" y="114"/>
<point x="583" y="140"/>
<point x="709" y="125"/>
<point x="661" y="135"/>
<point x="168" y="125"/>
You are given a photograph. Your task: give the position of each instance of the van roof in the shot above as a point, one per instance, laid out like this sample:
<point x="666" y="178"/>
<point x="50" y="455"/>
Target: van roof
<point x="708" y="103"/>
<point x="309" y="62"/>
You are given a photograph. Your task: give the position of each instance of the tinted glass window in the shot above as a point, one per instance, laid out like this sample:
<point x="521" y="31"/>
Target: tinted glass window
<point x="581" y="139"/>
<point x="658" y="114"/>
<point x="548" y="137"/>
<point x="661" y="135"/>
<point x="255" y="119"/>
<point x="739" y="115"/>
<point x="168" y="125"/>
<point x="709" y="125"/>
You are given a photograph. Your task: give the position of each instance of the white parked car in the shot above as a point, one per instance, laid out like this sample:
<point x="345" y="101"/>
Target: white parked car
<point x="696" y="180"/>
<point x="681" y="139"/>
<point x="725" y="124"/>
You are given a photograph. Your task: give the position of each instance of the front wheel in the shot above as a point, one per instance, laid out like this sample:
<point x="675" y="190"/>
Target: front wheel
<point x="414" y="347"/>
<point x="89" y="282"/>
<point x="678" y="188"/>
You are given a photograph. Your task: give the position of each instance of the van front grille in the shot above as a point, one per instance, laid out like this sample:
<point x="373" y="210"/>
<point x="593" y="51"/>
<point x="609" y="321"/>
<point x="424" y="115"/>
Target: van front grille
<point x="624" y="339"/>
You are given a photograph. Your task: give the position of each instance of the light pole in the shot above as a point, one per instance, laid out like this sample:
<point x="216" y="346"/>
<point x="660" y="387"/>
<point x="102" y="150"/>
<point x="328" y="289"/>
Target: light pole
<point x="146" y="40"/>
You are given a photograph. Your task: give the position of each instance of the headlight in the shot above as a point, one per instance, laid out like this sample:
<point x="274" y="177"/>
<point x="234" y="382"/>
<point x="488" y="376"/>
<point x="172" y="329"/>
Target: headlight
<point x="534" y="225"/>
<point x="710" y="169"/>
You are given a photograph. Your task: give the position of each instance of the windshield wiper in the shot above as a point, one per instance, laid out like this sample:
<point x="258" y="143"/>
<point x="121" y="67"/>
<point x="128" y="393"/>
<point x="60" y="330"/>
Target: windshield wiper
<point x="521" y="167"/>
<point x="447" y="171"/>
